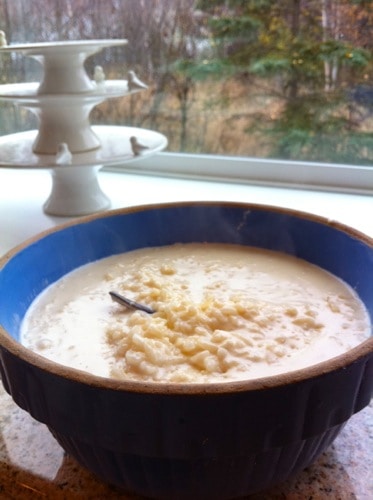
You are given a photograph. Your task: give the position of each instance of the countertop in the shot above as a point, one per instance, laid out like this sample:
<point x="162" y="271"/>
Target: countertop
<point x="33" y="465"/>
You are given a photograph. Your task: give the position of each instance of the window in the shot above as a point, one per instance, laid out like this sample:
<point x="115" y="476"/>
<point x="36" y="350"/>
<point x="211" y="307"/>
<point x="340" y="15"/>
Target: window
<point x="274" y="90"/>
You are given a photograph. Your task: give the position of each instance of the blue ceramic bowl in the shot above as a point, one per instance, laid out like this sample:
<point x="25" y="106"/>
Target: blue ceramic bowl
<point x="204" y="441"/>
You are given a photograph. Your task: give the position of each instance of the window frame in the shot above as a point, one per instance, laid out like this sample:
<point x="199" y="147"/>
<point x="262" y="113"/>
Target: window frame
<point x="257" y="171"/>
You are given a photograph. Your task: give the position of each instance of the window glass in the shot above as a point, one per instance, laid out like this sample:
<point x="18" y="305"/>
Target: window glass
<point x="284" y="80"/>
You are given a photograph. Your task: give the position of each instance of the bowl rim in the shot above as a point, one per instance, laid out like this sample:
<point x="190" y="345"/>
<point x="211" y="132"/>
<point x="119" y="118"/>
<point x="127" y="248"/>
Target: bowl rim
<point x="342" y="361"/>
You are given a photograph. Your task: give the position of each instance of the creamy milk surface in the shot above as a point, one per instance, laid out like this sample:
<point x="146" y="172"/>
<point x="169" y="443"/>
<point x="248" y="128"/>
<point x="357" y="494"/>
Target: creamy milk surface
<point x="222" y="312"/>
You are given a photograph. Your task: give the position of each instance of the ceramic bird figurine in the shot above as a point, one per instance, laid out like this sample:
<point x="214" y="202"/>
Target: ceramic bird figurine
<point x="134" y="83"/>
<point x="63" y="155"/>
<point x="137" y="148"/>
<point x="3" y="42"/>
<point x="99" y="75"/>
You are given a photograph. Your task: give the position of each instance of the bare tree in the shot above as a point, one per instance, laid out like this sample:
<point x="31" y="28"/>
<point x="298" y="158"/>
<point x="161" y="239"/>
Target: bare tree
<point x="330" y="20"/>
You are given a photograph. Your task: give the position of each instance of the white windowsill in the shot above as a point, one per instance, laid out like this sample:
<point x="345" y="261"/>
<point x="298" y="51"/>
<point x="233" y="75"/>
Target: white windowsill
<point x="23" y="192"/>
<point x="264" y="172"/>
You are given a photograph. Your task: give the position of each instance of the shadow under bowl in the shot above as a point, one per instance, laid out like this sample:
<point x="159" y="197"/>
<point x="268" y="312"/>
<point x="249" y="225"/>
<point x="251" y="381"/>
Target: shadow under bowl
<point x="182" y="441"/>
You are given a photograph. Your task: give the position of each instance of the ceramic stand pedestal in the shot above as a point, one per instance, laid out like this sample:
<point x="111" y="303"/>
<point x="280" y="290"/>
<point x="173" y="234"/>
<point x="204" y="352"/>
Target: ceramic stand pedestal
<point x="62" y="103"/>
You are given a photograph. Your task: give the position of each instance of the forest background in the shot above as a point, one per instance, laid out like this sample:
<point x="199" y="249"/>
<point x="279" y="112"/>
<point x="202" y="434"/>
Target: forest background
<point x="289" y="80"/>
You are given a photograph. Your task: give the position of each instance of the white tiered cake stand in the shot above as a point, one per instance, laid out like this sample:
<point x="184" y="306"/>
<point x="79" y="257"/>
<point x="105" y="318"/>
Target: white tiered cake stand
<point x="62" y="102"/>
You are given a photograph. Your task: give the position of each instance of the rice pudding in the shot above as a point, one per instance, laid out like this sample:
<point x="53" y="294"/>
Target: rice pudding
<point x="222" y="313"/>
